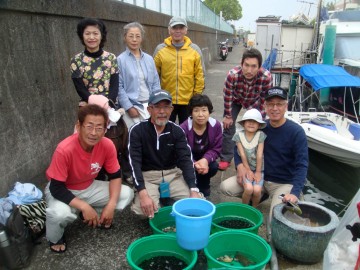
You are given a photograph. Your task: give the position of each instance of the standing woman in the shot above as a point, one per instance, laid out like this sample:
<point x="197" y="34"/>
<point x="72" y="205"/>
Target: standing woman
<point x="137" y="76"/>
<point x="204" y="136"/>
<point x="94" y="71"/>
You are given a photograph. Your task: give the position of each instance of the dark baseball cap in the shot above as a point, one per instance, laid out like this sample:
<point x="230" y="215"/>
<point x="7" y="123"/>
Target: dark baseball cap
<point x="158" y="96"/>
<point x="276" y="92"/>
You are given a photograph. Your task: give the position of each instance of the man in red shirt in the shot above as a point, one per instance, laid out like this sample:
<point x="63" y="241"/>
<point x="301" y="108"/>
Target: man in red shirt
<point x="245" y="86"/>
<point x="72" y="187"/>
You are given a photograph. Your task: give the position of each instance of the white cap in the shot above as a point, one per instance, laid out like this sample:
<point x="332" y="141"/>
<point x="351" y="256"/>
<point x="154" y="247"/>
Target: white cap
<point x="177" y="21"/>
<point x="253" y="114"/>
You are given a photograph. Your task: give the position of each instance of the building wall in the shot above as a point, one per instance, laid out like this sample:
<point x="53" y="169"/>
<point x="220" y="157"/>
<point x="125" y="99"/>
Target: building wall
<point x="38" y="102"/>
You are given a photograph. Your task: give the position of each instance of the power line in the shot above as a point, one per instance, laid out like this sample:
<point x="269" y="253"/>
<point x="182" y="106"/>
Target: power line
<point x="306" y="2"/>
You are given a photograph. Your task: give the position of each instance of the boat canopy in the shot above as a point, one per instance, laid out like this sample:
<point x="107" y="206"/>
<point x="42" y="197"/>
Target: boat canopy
<point x="323" y="76"/>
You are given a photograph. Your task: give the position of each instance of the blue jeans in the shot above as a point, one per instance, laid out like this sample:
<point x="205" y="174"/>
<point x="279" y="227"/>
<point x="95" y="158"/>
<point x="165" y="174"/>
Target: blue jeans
<point x="228" y="144"/>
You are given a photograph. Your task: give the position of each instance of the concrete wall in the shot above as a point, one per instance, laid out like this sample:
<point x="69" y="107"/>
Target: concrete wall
<point x="38" y="101"/>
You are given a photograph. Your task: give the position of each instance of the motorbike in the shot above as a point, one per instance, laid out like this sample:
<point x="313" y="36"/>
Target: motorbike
<point x="223" y="50"/>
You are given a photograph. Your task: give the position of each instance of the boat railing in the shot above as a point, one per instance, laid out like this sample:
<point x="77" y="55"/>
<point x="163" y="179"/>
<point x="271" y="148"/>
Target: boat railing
<point x="304" y="120"/>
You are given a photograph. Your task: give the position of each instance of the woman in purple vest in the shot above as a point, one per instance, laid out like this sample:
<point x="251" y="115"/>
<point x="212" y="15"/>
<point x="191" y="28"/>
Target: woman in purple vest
<point x="204" y="135"/>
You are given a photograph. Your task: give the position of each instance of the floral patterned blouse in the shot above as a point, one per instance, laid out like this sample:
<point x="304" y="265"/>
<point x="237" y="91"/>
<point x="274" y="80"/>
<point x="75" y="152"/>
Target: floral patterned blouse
<point x="96" y="72"/>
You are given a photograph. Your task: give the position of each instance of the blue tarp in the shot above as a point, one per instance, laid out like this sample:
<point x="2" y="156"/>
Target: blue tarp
<point x="323" y="76"/>
<point x="269" y="63"/>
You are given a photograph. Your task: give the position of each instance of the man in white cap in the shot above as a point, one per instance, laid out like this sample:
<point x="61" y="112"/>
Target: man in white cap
<point x="285" y="155"/>
<point x="180" y="65"/>
<point x="160" y="158"/>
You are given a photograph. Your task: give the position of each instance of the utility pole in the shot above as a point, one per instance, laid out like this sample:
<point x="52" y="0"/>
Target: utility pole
<point x="306" y="2"/>
<point x="317" y="25"/>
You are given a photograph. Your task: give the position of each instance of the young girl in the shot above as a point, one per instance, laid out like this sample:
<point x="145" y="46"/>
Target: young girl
<point x="250" y="145"/>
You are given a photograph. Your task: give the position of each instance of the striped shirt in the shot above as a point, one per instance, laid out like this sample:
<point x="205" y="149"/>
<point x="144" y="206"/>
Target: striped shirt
<point x="249" y="94"/>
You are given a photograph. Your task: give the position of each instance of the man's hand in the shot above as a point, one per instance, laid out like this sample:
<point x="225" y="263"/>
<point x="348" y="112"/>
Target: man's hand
<point x="240" y="173"/>
<point x="194" y="194"/>
<point x="107" y="215"/>
<point x="290" y="198"/>
<point x="202" y="166"/>
<point x="133" y="112"/>
<point x="147" y="204"/>
<point x="227" y="122"/>
<point x="90" y="216"/>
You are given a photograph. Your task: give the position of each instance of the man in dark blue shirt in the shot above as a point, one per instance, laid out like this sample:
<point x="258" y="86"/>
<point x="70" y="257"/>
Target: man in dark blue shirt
<point x="285" y="154"/>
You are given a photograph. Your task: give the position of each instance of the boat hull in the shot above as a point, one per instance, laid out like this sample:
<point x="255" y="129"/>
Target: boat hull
<point x="339" y="145"/>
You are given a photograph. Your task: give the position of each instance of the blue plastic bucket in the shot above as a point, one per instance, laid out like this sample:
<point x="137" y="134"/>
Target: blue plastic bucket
<point x="193" y="219"/>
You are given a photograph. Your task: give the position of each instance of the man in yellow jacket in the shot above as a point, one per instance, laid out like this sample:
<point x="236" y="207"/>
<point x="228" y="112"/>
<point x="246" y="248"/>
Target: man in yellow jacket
<point x="180" y="65"/>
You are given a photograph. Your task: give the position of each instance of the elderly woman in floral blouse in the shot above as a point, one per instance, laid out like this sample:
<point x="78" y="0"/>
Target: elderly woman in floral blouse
<point x="94" y="71"/>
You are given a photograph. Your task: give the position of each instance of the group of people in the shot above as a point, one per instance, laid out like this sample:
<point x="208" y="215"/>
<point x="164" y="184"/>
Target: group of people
<point x="167" y="161"/>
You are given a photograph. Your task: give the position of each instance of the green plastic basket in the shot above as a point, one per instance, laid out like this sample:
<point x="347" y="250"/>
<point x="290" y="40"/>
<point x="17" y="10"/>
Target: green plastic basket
<point x="161" y="220"/>
<point x="234" y="210"/>
<point x="158" y="245"/>
<point x="249" y="245"/>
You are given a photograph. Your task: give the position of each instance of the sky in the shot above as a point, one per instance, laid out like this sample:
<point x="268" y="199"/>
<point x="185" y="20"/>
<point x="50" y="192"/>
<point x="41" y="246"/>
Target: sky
<point x="252" y="9"/>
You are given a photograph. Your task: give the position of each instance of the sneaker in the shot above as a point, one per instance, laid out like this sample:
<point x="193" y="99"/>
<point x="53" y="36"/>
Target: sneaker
<point x="223" y="165"/>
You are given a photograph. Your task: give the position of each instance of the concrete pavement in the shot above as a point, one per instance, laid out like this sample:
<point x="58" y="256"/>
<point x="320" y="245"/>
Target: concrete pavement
<point x="106" y="249"/>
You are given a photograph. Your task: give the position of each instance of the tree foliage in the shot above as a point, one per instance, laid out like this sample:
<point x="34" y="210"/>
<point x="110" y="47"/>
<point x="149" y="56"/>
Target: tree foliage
<point x="231" y="9"/>
<point x="330" y="6"/>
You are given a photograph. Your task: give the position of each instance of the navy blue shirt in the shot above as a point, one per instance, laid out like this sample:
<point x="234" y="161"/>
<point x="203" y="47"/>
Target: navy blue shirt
<point x="285" y="155"/>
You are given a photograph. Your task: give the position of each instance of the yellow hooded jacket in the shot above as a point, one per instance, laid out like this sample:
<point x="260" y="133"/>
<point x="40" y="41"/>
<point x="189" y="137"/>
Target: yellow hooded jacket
<point x="181" y="71"/>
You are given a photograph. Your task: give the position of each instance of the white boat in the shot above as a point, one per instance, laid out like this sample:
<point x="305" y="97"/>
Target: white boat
<point x="347" y="37"/>
<point x="329" y="133"/>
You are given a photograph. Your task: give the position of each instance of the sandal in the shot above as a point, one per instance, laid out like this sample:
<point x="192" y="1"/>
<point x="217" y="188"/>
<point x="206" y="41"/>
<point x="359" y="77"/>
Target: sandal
<point x="60" y="242"/>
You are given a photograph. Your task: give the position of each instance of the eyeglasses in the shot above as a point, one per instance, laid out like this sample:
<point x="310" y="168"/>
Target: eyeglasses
<point x="272" y="105"/>
<point x="134" y="37"/>
<point x="158" y="107"/>
<point x="90" y="128"/>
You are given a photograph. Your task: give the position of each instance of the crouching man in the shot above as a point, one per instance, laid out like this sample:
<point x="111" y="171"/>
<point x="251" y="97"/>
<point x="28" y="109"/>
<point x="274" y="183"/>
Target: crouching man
<point x="160" y="158"/>
<point x="72" y="188"/>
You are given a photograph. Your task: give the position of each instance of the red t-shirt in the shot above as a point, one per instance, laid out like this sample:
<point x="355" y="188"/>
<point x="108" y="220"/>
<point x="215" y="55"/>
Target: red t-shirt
<point x="76" y="167"/>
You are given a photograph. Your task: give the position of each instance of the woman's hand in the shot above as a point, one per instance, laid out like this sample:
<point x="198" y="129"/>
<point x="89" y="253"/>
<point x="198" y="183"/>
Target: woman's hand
<point x="133" y="112"/>
<point x="202" y="166"/>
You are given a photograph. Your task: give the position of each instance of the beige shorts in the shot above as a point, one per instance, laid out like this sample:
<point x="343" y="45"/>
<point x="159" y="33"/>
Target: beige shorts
<point x="178" y="187"/>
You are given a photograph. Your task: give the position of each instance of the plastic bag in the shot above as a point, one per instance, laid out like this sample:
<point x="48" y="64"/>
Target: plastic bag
<point x="341" y="252"/>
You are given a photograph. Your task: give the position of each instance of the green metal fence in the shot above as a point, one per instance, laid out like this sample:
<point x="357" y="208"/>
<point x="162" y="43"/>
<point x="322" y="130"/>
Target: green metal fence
<point x="193" y="10"/>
